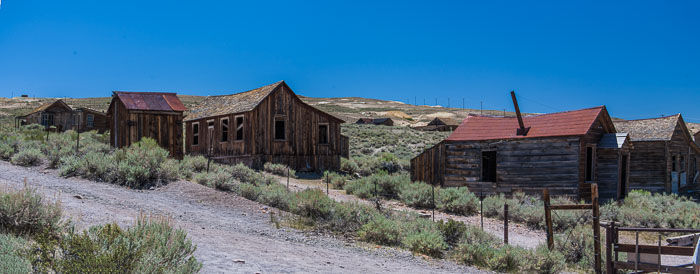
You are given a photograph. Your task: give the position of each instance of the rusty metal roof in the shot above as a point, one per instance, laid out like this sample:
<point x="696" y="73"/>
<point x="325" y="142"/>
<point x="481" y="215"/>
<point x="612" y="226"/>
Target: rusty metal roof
<point x="570" y="123"/>
<point x="233" y="103"/>
<point x="152" y="101"/>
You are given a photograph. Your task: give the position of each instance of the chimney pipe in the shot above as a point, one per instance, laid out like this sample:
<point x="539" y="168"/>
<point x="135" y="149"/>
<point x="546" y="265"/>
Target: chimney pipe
<point x="522" y="131"/>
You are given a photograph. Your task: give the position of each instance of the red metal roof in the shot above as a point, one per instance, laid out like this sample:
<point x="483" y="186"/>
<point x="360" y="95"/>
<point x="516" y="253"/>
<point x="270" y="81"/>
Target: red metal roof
<point x="570" y="123"/>
<point x="156" y="101"/>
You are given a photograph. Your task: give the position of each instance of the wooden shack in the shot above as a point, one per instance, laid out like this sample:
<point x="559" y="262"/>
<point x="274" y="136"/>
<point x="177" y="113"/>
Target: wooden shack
<point x="266" y="124"/>
<point x="375" y="121"/>
<point x="62" y="117"/>
<point x="664" y="157"/>
<point x="441" y="124"/>
<point x="564" y="152"/>
<point x="157" y="115"/>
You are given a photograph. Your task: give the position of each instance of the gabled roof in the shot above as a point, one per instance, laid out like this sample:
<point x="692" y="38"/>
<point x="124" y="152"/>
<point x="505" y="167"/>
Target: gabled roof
<point x="613" y="140"/>
<point x="653" y="129"/>
<point x="569" y="123"/>
<point x="444" y="121"/>
<point x="233" y="103"/>
<point x="150" y="101"/>
<point x="49" y="105"/>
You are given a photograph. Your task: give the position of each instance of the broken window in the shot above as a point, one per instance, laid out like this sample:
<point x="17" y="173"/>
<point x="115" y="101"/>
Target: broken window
<point x="590" y="163"/>
<point x="323" y="134"/>
<point x="488" y="166"/>
<point x="224" y="130"/>
<point x="239" y="128"/>
<point x="90" y="120"/>
<point x="195" y="134"/>
<point x="280" y="135"/>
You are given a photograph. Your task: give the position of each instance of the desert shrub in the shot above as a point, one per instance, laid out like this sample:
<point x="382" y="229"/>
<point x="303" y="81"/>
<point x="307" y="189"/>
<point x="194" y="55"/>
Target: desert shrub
<point x="457" y="200"/>
<point x="427" y="242"/>
<point x="387" y="185"/>
<point x="314" y="204"/>
<point x="337" y="180"/>
<point x="248" y="191"/>
<point x="452" y="231"/>
<point x="366" y="165"/>
<point x="12" y="254"/>
<point x="544" y="261"/>
<point x="530" y="211"/>
<point x="27" y="157"/>
<point x="276" y="195"/>
<point x="244" y="174"/>
<point x="389" y="163"/>
<point x="279" y="169"/>
<point x="151" y="246"/>
<point x="576" y="245"/>
<point x="70" y="166"/>
<point x="381" y="230"/>
<point x="349" y="166"/>
<point x="476" y="254"/>
<point x="350" y="217"/>
<point x="417" y="194"/>
<point x="169" y="170"/>
<point x="508" y="259"/>
<point x="191" y="165"/>
<point x="137" y="166"/>
<point x="6" y="151"/>
<point x="361" y="188"/>
<point x="24" y="212"/>
<point x="97" y="166"/>
<point x="61" y="145"/>
<point x="643" y="209"/>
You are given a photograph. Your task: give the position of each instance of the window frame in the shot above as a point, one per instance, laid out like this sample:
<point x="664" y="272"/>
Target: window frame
<point x="283" y="119"/>
<point x="328" y="133"/>
<point x="593" y="164"/>
<point x="90" y="123"/>
<point x="239" y="127"/>
<point x="195" y="135"/>
<point x="224" y="134"/>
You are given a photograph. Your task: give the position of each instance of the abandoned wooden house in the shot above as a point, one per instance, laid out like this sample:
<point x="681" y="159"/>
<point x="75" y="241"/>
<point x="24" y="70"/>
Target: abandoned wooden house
<point x="375" y="121"/>
<point x="266" y="124"/>
<point x="564" y="152"/>
<point x="441" y="124"/>
<point x="664" y="157"/>
<point x="59" y="116"/>
<point x="157" y="115"/>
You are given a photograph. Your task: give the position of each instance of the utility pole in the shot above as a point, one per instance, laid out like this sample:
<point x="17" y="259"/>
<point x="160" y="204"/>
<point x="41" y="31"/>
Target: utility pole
<point x="482" y="108"/>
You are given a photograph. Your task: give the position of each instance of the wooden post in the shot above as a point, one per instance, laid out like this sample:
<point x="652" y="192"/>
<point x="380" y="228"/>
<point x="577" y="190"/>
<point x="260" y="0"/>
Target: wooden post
<point x="636" y="252"/>
<point x="287" y="177"/>
<point x="659" y="258"/>
<point x="596" y="227"/>
<point x="548" y="219"/>
<point x="433" y="203"/>
<point x="482" y="211"/>
<point x="327" y="183"/>
<point x="609" y="264"/>
<point x="505" y="223"/>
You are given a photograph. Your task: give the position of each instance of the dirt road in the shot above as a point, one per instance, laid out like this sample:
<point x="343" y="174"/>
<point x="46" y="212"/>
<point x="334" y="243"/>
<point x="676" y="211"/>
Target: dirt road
<point x="232" y="234"/>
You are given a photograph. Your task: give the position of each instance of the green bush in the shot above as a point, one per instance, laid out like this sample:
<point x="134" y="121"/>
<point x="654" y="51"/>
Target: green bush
<point x="13" y="257"/>
<point x="139" y="163"/>
<point x="314" y="204"/>
<point x="389" y="163"/>
<point x="276" y="195"/>
<point x="350" y="217"/>
<point x="60" y="146"/>
<point x="387" y="185"/>
<point x="24" y="212"/>
<point x="457" y="200"/>
<point x="98" y="166"/>
<point x="381" y="230"/>
<point x="27" y="157"/>
<point x="476" y="254"/>
<point x="193" y="164"/>
<point x="426" y="242"/>
<point x="244" y="174"/>
<point x="544" y="261"/>
<point x="576" y="245"/>
<point x="643" y="209"/>
<point x="349" y="166"/>
<point x="248" y="191"/>
<point x="508" y="259"/>
<point x="337" y="180"/>
<point x="417" y="194"/>
<point x="6" y="151"/>
<point x="169" y="170"/>
<point x="279" y="169"/>
<point x="452" y="231"/>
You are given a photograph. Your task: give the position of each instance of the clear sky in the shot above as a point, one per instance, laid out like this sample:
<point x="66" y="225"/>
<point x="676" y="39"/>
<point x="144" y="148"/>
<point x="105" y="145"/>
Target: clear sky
<point x="640" y="58"/>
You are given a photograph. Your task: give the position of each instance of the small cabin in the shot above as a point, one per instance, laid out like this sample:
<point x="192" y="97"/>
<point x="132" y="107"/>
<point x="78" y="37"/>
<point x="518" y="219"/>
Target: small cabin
<point x="61" y="117"/>
<point x="564" y="152"/>
<point x="266" y="124"/>
<point x="441" y="124"/>
<point x="375" y="121"/>
<point x="665" y="155"/>
<point x="157" y="115"/>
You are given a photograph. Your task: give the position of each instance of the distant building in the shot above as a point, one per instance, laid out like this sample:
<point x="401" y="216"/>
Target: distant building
<point x="376" y="121"/>
<point x="62" y="117"/>
<point x="564" y="152"/>
<point x="266" y="124"/>
<point x="665" y="156"/>
<point x="157" y="115"/>
<point x="441" y="124"/>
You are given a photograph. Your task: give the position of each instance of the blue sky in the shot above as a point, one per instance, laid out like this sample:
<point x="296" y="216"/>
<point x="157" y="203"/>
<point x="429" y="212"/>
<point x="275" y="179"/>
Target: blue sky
<point x="639" y="58"/>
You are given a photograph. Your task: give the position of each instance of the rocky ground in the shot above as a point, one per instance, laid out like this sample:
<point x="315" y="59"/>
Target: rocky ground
<point x="233" y="235"/>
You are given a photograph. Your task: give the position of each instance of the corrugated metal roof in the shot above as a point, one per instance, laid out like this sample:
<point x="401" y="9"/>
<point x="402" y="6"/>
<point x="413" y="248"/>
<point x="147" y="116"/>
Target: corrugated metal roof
<point x="234" y="103"/>
<point x="152" y="101"/>
<point x="570" y="123"/>
<point x="654" y="129"/>
<point x="612" y="140"/>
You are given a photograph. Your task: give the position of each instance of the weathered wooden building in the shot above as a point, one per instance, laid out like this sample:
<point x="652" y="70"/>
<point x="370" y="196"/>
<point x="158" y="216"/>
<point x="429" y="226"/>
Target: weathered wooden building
<point x="157" y="115"/>
<point x="564" y="152"/>
<point x="62" y="117"/>
<point x="665" y="155"/>
<point x="441" y="124"/>
<point x="266" y="124"/>
<point x="375" y="121"/>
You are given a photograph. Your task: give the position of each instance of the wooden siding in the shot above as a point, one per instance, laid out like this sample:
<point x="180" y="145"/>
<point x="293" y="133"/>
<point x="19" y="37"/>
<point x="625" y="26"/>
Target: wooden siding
<point x="129" y="126"/>
<point x="344" y="146"/>
<point x="301" y="149"/>
<point x="429" y="166"/>
<point x="100" y="122"/>
<point x="62" y="117"/>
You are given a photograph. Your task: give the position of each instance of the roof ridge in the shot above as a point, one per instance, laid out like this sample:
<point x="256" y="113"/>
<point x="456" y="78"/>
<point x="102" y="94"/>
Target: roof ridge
<point x="644" y="119"/>
<point x="144" y="92"/>
<point x="268" y="85"/>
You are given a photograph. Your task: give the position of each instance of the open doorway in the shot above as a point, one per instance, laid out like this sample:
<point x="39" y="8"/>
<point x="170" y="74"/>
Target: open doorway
<point x="488" y="166"/>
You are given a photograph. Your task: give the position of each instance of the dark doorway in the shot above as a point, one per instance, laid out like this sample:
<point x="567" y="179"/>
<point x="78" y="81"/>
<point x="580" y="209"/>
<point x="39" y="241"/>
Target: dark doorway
<point x="623" y="177"/>
<point x="488" y="166"/>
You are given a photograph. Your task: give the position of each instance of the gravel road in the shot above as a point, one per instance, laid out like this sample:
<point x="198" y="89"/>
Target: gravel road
<point x="233" y="235"/>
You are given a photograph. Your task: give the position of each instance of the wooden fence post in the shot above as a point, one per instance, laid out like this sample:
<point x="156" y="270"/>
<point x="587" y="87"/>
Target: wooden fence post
<point x="433" y="203"/>
<point x="505" y="223"/>
<point x="596" y="227"/>
<point x="327" y="182"/>
<point x="287" y="177"/>
<point x="482" y="211"/>
<point x="548" y="219"/>
<point x="609" y="264"/>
